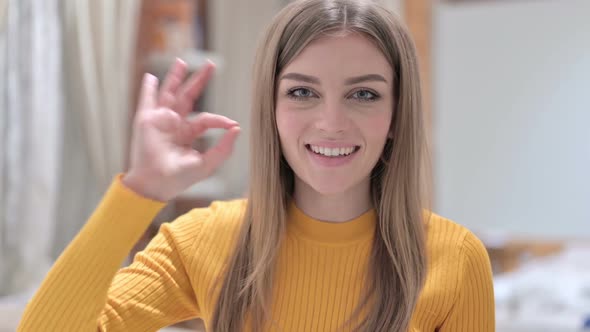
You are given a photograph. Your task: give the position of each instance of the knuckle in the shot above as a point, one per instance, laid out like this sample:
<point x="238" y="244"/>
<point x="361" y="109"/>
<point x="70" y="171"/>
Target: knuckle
<point x="143" y="121"/>
<point x="204" y="116"/>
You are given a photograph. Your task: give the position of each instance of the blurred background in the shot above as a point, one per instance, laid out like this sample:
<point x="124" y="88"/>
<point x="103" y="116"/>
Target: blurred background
<point x="507" y="86"/>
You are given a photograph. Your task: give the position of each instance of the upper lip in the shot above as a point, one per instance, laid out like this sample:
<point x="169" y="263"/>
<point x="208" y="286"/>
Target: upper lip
<point x="332" y="144"/>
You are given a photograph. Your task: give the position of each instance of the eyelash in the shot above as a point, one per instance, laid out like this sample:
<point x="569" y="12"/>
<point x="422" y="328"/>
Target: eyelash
<point x="291" y="94"/>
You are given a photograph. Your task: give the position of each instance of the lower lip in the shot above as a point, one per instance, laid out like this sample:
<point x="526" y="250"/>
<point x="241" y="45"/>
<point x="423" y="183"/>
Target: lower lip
<point x="331" y="161"/>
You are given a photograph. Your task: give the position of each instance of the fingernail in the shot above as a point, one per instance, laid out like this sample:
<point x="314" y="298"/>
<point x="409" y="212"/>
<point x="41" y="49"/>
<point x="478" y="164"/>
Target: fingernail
<point x="147" y="77"/>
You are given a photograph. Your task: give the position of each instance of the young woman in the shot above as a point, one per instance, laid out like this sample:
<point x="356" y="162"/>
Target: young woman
<point x="334" y="235"/>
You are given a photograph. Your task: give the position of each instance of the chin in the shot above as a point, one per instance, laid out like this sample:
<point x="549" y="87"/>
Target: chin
<point x="330" y="187"/>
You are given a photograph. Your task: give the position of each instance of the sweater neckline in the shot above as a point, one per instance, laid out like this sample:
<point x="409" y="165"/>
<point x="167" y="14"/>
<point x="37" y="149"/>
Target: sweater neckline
<point x="313" y="229"/>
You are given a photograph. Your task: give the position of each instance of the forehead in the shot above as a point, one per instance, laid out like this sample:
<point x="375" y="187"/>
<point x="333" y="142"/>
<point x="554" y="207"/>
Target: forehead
<point x="340" y="56"/>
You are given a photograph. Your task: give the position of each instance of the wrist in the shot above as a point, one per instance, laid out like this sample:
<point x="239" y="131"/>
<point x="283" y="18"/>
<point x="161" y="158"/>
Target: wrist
<point x="140" y="186"/>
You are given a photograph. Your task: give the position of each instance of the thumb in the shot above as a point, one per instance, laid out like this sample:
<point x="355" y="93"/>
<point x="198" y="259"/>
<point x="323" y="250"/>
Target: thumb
<point x="215" y="156"/>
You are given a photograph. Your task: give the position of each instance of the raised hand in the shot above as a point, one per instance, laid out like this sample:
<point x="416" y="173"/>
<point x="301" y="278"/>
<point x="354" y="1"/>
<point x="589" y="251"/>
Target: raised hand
<point x="162" y="162"/>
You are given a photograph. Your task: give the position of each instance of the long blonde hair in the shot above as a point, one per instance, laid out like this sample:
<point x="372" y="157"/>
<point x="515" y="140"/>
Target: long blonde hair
<point x="398" y="262"/>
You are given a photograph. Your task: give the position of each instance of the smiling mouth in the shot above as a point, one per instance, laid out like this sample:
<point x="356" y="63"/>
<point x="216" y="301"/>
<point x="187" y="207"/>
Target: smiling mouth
<point x="332" y="152"/>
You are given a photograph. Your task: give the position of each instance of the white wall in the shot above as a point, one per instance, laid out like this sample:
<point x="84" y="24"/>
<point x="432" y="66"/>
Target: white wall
<point x="512" y="116"/>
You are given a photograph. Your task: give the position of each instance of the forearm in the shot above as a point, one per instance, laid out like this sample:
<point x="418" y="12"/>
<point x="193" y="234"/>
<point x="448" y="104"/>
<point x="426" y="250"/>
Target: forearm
<point x="74" y="292"/>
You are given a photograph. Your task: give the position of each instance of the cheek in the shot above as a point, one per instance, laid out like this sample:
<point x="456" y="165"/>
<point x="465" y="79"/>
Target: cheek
<point x="288" y="126"/>
<point x="282" y="124"/>
<point x="376" y="130"/>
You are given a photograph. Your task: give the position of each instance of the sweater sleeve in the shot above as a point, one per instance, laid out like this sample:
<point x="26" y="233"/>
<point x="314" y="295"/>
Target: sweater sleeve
<point x="474" y="305"/>
<point x="155" y="290"/>
<point x="86" y="291"/>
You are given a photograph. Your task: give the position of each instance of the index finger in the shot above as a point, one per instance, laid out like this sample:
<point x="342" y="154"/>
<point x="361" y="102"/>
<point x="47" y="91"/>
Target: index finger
<point x="149" y="87"/>
<point x="205" y="121"/>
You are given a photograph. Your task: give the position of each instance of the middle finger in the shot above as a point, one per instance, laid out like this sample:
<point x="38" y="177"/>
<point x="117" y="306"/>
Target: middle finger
<point x="193" y="88"/>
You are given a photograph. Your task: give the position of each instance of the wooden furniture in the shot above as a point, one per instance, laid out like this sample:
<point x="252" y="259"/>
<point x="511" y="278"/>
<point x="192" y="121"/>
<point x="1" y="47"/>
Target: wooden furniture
<point x="509" y="256"/>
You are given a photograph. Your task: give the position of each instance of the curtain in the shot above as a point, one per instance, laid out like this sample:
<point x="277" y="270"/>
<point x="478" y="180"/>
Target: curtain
<point x="30" y="126"/>
<point x="99" y="46"/>
<point x="65" y="69"/>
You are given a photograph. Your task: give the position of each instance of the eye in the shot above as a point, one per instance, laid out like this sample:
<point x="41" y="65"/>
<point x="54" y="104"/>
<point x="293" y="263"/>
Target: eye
<point x="365" y="95"/>
<point x="300" y="93"/>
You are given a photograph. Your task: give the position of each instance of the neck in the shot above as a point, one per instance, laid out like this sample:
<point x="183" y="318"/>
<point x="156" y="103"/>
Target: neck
<point x="337" y="207"/>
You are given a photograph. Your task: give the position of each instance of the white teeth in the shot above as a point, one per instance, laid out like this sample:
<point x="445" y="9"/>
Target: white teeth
<point x="332" y="152"/>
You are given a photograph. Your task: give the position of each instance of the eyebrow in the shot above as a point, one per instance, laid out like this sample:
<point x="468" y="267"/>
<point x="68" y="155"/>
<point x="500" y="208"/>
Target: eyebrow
<point x="365" y="78"/>
<point x="349" y="81"/>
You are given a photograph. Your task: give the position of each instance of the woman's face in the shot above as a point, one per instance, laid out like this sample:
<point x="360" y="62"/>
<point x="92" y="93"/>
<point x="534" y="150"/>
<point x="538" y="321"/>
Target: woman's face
<point x="334" y="107"/>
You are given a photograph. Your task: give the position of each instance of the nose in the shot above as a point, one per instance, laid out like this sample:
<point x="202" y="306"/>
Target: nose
<point x="332" y="118"/>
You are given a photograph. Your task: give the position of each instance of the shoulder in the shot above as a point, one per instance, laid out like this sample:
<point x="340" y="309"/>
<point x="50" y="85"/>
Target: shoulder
<point x="456" y="257"/>
<point x="220" y="217"/>
<point x="459" y="280"/>
<point x="218" y="211"/>
<point x="448" y="240"/>
<point x="203" y="226"/>
<point x="455" y="252"/>
<point x="204" y="237"/>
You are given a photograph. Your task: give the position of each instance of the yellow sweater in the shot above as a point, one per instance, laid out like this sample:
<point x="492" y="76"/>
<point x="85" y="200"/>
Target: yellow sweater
<point x="319" y="272"/>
